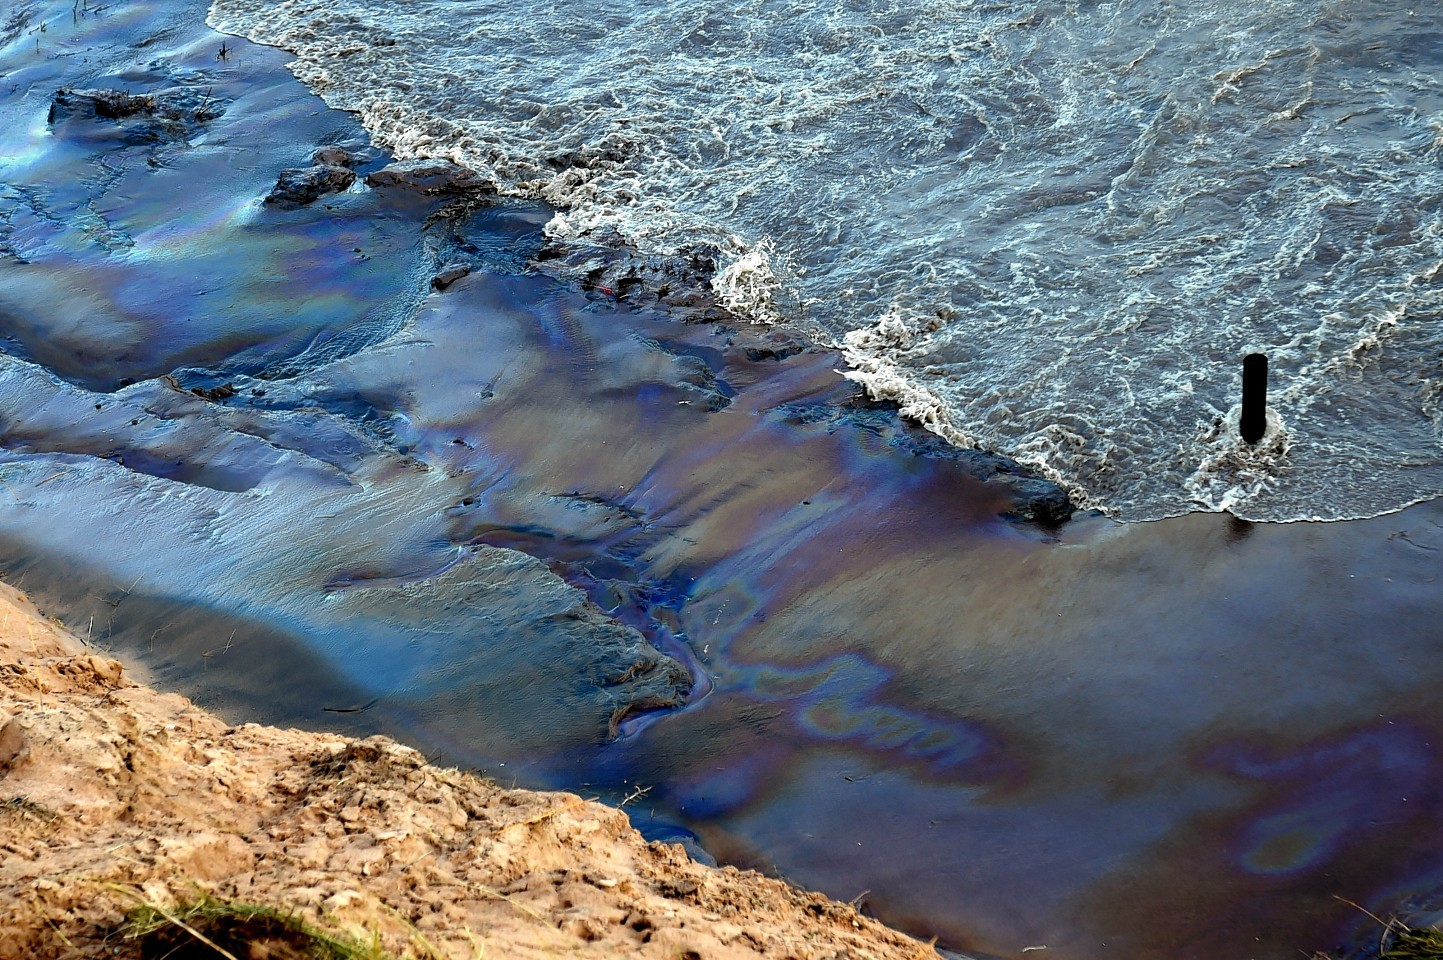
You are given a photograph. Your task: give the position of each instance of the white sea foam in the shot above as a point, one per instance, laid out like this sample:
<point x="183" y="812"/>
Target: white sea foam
<point x="872" y="356"/>
<point x="748" y="286"/>
<point x="1048" y="229"/>
<point x="1232" y="472"/>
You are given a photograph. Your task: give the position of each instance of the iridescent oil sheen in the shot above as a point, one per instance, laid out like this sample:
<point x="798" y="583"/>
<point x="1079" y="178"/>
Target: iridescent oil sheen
<point x="540" y="532"/>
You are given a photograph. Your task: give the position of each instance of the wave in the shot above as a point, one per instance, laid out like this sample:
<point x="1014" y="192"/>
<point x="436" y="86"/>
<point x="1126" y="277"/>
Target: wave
<point x="1084" y="215"/>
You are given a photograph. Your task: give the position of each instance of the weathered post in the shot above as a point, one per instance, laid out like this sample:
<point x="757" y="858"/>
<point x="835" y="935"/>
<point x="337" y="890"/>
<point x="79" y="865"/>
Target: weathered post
<point x="1253" y="421"/>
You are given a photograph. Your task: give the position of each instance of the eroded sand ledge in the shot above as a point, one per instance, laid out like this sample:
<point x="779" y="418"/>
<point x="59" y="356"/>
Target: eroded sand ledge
<point x="118" y="784"/>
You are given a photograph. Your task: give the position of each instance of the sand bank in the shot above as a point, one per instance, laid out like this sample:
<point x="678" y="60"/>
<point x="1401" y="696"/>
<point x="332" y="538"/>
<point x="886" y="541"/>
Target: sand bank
<point x="110" y="790"/>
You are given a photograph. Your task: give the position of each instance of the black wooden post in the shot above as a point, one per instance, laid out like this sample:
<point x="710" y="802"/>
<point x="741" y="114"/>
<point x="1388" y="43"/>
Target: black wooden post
<point x="1253" y="421"/>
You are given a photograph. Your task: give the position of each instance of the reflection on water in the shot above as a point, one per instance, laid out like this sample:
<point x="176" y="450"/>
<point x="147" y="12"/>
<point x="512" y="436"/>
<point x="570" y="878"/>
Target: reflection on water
<point x="1158" y="737"/>
<point x="516" y="523"/>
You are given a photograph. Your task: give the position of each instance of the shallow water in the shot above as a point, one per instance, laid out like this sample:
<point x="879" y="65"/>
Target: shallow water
<point x="534" y="530"/>
<point x="1049" y="229"/>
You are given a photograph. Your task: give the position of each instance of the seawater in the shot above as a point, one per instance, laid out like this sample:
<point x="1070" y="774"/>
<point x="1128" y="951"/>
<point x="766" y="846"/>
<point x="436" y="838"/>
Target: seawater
<point x="1049" y="229"/>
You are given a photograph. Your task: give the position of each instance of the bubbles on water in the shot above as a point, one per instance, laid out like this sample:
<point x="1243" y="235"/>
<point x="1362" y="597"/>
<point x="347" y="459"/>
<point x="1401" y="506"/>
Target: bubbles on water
<point x="747" y="285"/>
<point x="1230" y="472"/>
<point x="872" y="356"/>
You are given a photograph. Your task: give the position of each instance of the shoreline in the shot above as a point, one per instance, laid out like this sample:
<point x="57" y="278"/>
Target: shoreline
<point x="114" y="793"/>
<point x="1124" y="393"/>
<point x="572" y="542"/>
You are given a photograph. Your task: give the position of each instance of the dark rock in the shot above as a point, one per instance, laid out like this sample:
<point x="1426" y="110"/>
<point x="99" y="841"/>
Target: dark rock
<point x="670" y="700"/>
<point x="111" y="104"/>
<point x="776" y="346"/>
<point x="298" y="186"/>
<point x="680" y="283"/>
<point x="692" y="376"/>
<point x="139" y="118"/>
<point x="1035" y="500"/>
<point x="450" y="274"/>
<point x="333" y="157"/>
<point x="213" y="394"/>
<point x="593" y="155"/>
<point x="430" y="177"/>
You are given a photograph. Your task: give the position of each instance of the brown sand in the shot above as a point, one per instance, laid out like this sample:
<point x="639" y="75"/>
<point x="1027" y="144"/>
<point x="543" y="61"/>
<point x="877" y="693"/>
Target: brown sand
<point x="110" y="790"/>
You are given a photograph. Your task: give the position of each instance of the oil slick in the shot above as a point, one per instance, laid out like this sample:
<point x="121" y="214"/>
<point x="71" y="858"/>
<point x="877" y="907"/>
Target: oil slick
<point x="523" y="523"/>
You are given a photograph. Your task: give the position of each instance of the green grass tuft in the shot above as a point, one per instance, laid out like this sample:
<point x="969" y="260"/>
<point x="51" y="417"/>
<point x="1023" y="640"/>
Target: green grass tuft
<point x="1411" y="944"/>
<point x="207" y="928"/>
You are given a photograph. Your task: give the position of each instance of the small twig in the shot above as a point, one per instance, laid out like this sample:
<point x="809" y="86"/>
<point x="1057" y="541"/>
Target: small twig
<point x="412" y="863"/>
<point x="490" y="892"/>
<point x="126" y="592"/>
<point x="1364" y="910"/>
<point x="140" y="898"/>
<point x="1387" y="925"/>
<point x="550" y="813"/>
<point x="202" y="112"/>
<point x="61" y="933"/>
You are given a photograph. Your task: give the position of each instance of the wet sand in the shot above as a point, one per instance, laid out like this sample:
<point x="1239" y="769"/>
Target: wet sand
<point x="529" y="528"/>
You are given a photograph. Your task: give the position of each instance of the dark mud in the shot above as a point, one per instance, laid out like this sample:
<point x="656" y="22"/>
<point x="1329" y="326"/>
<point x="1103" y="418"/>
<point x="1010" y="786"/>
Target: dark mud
<point x="536" y="522"/>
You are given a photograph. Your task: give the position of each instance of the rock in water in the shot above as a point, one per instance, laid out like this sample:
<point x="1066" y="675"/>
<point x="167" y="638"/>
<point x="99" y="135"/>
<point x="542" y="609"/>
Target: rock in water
<point x="334" y="157"/>
<point x="298" y="186"/>
<point x="430" y="177"/>
<point x="111" y="104"/>
<point x="136" y="118"/>
<point x="1035" y="499"/>
<point x="449" y="274"/>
